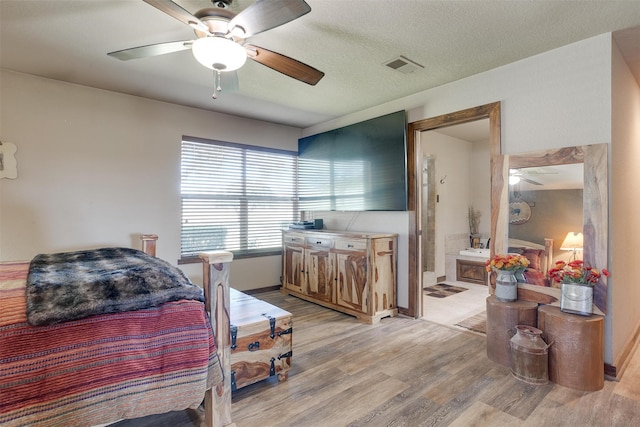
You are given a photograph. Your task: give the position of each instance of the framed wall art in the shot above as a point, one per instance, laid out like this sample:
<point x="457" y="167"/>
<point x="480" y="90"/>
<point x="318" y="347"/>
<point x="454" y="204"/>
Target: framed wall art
<point x="519" y="212"/>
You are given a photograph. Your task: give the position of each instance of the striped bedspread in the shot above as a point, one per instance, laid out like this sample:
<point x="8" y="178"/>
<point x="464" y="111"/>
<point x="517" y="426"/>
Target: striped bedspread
<point x="101" y="368"/>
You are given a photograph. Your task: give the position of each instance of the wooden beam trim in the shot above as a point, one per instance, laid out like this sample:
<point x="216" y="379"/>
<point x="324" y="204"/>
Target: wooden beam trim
<point x="490" y="111"/>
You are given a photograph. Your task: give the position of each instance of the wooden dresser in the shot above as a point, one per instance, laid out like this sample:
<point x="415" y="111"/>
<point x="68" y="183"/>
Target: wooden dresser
<point x="354" y="273"/>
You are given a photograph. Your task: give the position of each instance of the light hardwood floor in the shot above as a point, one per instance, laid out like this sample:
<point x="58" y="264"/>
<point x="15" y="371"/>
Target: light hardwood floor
<point x="406" y="372"/>
<point x="452" y="309"/>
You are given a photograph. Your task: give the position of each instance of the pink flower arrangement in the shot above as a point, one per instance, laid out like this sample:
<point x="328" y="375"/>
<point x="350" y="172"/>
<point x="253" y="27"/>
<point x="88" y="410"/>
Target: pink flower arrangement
<point x="576" y="272"/>
<point x="510" y="262"/>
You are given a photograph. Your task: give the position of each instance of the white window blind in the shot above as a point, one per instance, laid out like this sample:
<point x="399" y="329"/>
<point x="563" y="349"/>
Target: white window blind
<point x="235" y="197"/>
<point x="333" y="185"/>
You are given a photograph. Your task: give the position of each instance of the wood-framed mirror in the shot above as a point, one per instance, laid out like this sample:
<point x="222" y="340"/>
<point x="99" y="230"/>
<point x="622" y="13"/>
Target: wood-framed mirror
<point x="595" y="220"/>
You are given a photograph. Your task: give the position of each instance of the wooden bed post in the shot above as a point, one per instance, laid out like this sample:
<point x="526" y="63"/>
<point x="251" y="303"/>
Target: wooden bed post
<point x="149" y="243"/>
<point x="215" y="277"/>
<point x="548" y="251"/>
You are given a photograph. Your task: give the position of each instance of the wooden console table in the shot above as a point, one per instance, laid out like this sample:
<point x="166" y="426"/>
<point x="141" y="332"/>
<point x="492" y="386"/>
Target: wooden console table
<point x="351" y="272"/>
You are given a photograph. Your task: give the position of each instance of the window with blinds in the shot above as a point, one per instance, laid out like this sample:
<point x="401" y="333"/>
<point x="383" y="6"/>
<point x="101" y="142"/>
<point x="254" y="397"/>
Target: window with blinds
<point x="235" y="197"/>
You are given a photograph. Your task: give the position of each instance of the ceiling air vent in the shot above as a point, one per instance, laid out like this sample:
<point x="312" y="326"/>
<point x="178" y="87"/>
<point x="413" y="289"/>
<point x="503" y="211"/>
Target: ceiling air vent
<point x="404" y="65"/>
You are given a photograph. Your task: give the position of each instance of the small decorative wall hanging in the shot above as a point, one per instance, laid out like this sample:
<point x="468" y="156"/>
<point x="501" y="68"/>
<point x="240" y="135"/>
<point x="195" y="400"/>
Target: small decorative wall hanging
<point x="8" y="162"/>
<point x="519" y="212"/>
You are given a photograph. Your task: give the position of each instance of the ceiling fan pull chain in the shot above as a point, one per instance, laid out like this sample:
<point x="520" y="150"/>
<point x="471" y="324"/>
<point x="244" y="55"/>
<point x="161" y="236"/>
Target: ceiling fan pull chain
<point x="217" y="85"/>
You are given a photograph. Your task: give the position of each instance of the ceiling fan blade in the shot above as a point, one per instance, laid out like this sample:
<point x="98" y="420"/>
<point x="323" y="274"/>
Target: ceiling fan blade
<point x="172" y="9"/>
<point x="151" y="50"/>
<point x="264" y="15"/>
<point x="530" y="181"/>
<point x="285" y="65"/>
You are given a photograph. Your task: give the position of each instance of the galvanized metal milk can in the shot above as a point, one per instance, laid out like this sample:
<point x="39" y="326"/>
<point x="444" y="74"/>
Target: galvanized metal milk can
<point x="529" y="355"/>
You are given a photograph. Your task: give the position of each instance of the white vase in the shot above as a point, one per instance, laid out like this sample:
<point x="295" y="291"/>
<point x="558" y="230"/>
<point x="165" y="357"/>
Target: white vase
<point x="577" y="298"/>
<point x="506" y="286"/>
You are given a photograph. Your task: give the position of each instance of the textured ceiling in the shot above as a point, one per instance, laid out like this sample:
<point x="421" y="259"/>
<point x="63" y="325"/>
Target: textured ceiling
<point x="350" y="40"/>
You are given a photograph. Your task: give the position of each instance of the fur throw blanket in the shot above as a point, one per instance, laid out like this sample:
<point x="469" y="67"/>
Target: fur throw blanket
<point x="73" y="285"/>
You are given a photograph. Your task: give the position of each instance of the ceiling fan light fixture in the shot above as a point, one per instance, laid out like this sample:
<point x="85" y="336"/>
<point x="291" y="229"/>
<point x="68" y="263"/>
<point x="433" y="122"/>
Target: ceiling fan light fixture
<point x="238" y="31"/>
<point x="219" y="53"/>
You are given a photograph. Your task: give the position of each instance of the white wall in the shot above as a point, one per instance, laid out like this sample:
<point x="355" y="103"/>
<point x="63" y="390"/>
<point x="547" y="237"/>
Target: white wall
<point x="97" y="168"/>
<point x="453" y="165"/>
<point x="481" y="183"/>
<point x="624" y="289"/>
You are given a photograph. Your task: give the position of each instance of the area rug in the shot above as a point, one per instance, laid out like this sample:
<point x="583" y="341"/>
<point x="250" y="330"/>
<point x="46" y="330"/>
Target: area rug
<point x="477" y="323"/>
<point x="442" y="290"/>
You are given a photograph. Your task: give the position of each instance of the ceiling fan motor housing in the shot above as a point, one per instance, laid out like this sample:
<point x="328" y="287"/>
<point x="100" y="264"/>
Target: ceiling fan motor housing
<point x="216" y="19"/>
<point x="223" y="4"/>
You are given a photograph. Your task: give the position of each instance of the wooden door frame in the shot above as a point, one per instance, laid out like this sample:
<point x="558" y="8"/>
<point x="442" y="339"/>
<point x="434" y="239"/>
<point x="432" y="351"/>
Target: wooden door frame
<point x="414" y="161"/>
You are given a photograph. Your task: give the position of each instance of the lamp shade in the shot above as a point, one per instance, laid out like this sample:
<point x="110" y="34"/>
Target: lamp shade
<point x="218" y="53"/>
<point x="573" y="242"/>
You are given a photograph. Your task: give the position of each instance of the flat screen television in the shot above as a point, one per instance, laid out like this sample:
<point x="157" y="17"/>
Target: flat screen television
<point x="360" y="167"/>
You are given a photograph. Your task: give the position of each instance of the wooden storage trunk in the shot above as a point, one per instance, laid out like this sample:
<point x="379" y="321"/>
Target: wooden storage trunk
<point x="261" y="337"/>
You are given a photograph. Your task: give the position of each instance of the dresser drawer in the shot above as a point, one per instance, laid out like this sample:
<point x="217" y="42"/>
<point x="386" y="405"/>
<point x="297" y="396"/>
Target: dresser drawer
<point x="320" y="241"/>
<point x="294" y="239"/>
<point x="351" y="245"/>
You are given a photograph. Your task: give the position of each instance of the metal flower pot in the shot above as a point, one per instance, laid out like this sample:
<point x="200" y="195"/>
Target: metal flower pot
<point x="506" y="286"/>
<point x="577" y="298"/>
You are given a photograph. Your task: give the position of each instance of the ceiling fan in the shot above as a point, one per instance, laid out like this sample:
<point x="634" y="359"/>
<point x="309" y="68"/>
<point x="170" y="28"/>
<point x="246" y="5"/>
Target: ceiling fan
<point x="516" y="175"/>
<point x="221" y="36"/>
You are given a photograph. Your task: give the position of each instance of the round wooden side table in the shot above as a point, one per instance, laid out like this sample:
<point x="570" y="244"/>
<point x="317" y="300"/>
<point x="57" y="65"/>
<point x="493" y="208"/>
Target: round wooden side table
<point x="576" y="354"/>
<point x="502" y="319"/>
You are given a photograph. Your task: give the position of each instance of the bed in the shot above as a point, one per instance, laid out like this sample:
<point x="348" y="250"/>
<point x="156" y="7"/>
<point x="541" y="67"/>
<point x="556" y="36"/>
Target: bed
<point x="106" y="359"/>
<point x="540" y="260"/>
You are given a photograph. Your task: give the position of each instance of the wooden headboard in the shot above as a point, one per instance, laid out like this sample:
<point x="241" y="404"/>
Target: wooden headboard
<point x="547" y="259"/>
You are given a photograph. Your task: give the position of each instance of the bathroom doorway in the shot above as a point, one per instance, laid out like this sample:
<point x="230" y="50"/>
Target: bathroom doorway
<point x="456" y="178"/>
<point x="415" y="156"/>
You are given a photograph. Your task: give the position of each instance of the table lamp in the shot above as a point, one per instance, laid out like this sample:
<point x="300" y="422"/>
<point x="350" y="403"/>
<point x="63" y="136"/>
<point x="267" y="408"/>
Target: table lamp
<point x="573" y="242"/>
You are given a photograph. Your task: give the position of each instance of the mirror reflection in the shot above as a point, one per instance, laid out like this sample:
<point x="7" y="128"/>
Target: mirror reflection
<point x="592" y="218"/>
<point x="545" y="205"/>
